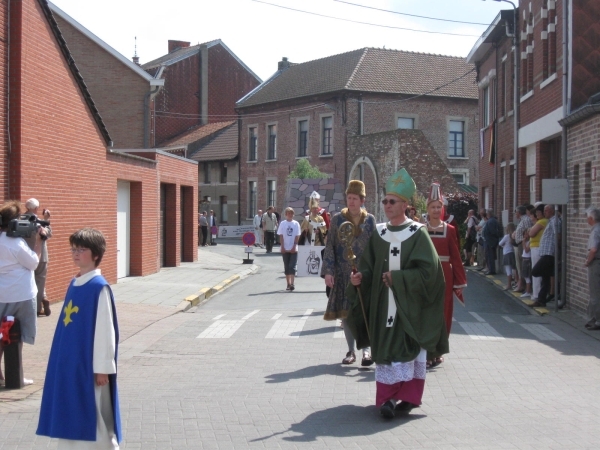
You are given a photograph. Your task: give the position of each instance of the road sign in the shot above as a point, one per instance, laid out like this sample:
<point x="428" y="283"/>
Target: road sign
<point x="248" y="238"/>
<point x="555" y="192"/>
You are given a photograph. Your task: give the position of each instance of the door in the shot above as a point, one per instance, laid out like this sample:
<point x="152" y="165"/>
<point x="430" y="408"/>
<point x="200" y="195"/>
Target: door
<point x="123" y="228"/>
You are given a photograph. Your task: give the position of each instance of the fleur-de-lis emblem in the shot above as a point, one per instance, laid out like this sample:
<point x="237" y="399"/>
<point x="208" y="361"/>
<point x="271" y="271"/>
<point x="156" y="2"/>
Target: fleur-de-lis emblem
<point x="70" y="309"/>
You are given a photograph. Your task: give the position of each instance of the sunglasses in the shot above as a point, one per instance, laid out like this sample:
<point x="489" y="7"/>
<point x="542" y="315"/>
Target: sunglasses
<point x="391" y="201"/>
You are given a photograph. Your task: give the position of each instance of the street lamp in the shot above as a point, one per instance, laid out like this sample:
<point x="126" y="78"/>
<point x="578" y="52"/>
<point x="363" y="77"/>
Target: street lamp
<point x="515" y="97"/>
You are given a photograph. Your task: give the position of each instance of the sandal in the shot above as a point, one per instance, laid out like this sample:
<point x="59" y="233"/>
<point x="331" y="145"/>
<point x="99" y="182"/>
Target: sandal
<point x="437" y="361"/>
<point x="349" y="359"/>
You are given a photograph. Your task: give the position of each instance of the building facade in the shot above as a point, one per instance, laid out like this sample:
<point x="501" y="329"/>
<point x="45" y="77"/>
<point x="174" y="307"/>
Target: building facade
<point x="311" y="110"/>
<point x="554" y="91"/>
<point x="77" y="173"/>
<point x="202" y="84"/>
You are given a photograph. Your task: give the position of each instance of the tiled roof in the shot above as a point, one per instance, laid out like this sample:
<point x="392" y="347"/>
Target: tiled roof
<point x="185" y="52"/>
<point x="197" y="133"/>
<point x="221" y="146"/>
<point x="174" y="56"/>
<point x="369" y="70"/>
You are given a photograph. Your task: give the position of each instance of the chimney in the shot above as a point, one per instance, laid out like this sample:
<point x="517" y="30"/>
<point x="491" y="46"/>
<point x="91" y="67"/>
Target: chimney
<point x="283" y="64"/>
<point x="175" y="45"/>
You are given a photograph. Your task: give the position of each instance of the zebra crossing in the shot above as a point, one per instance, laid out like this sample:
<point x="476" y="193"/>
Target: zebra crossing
<point x="290" y="325"/>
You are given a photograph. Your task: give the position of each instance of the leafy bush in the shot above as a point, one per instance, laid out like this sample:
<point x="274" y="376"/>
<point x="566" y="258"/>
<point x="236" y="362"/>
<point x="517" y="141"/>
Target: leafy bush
<point x="305" y="171"/>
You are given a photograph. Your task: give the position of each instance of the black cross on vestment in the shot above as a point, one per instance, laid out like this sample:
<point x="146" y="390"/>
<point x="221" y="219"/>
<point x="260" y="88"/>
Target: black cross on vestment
<point x="395" y="251"/>
<point x="383" y="231"/>
<point x="390" y="320"/>
<point x="413" y="228"/>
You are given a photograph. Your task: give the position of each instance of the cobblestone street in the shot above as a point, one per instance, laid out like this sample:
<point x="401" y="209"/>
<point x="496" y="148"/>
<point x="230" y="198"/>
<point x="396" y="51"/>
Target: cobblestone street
<point x="257" y="367"/>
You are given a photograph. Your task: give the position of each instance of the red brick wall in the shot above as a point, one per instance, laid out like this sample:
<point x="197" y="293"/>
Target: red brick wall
<point x="586" y="51"/>
<point x="228" y="81"/>
<point x="287" y="150"/>
<point x="549" y="98"/>
<point x="583" y="142"/>
<point x="180" y="95"/>
<point x="411" y="150"/>
<point x="432" y="118"/>
<point x="3" y="101"/>
<point x="117" y="91"/>
<point x="432" y="114"/>
<point x="59" y="156"/>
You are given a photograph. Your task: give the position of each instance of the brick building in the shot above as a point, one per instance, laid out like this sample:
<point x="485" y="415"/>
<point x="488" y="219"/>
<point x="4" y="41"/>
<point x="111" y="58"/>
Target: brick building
<point x="540" y="111"/>
<point x="122" y="91"/>
<point x="311" y="110"/>
<point x="215" y="148"/>
<point x="57" y="148"/>
<point x="202" y="84"/>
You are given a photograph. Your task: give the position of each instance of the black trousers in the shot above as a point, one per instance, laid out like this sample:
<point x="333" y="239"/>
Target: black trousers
<point x="269" y="240"/>
<point x="544" y="268"/>
<point x="204" y="234"/>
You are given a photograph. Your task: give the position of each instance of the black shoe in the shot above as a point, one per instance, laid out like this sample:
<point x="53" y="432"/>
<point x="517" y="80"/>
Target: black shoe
<point x="292" y="287"/>
<point x="405" y="407"/>
<point x="387" y="410"/>
<point x="288" y="288"/>
<point x="46" y="305"/>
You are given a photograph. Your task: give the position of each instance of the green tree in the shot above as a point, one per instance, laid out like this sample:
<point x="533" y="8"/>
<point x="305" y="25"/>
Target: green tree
<point x="304" y="171"/>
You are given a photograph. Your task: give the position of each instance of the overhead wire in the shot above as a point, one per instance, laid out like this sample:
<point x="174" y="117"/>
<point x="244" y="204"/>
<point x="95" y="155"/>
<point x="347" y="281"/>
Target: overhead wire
<point x="365" y="23"/>
<point x="410" y="15"/>
<point x="227" y="117"/>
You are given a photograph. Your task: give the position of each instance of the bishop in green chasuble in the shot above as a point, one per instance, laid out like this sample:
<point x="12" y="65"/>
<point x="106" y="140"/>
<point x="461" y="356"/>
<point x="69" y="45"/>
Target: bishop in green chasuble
<point x="402" y="284"/>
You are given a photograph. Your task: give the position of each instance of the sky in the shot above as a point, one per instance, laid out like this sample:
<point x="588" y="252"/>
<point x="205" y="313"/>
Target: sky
<point x="260" y="34"/>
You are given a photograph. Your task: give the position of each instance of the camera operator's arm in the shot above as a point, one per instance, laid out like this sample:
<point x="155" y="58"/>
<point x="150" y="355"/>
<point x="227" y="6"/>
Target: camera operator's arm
<point x="28" y="257"/>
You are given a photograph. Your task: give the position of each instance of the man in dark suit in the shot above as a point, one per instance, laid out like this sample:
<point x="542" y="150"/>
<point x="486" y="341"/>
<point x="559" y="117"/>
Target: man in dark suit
<point x="492" y="232"/>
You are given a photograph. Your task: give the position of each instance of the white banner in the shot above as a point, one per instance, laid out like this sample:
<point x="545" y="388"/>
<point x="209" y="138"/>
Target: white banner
<point x="310" y="261"/>
<point x="235" y="231"/>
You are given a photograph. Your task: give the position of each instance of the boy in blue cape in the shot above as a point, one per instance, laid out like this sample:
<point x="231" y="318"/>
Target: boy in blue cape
<point x="80" y="404"/>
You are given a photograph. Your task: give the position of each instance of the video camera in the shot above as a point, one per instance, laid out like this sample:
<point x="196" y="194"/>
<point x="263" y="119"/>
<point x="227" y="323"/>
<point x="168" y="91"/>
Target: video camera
<point x="25" y="226"/>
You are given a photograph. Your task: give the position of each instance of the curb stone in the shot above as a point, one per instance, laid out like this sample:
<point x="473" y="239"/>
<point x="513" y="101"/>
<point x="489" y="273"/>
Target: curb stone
<point x="204" y="294"/>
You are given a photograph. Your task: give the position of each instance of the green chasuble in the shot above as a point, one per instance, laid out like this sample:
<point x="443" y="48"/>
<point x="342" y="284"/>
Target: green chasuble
<point x="411" y="317"/>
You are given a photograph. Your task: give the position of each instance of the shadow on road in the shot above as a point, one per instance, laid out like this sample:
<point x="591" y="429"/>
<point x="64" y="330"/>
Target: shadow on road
<point x="342" y="421"/>
<point x="364" y="374"/>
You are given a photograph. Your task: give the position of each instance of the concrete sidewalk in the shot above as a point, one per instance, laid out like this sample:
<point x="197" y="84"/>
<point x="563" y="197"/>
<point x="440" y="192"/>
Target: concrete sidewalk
<point x="141" y="301"/>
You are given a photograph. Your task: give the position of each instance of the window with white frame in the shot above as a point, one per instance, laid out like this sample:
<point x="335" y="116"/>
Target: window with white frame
<point x="207" y="173"/>
<point x="272" y="142"/>
<point x="405" y="123"/>
<point x="456" y="139"/>
<point x="251" y="198"/>
<point x="327" y="136"/>
<point x="252" y="143"/>
<point x="223" y="209"/>
<point x="532" y="198"/>
<point x="271" y="192"/>
<point x="302" y="137"/>
<point x="485" y="97"/>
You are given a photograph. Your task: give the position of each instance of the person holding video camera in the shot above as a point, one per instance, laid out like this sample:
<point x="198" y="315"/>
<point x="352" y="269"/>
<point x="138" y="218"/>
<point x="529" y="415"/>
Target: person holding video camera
<point x="43" y="305"/>
<point x="17" y="281"/>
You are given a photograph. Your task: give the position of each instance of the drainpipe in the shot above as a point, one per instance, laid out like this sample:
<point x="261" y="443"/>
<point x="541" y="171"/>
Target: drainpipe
<point x="147" y="98"/>
<point x="563" y="162"/>
<point x="515" y="106"/>
<point x="147" y="115"/>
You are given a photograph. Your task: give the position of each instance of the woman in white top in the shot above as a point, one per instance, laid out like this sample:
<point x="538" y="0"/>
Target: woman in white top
<point x="17" y="282"/>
